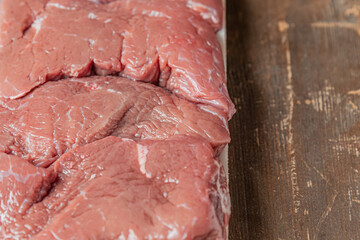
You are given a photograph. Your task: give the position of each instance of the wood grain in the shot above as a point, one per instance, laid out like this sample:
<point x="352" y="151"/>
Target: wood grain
<point x="293" y="72"/>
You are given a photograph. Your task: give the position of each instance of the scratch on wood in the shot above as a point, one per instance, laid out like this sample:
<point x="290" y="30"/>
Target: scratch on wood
<point x="287" y="122"/>
<point x="321" y="175"/>
<point x="347" y="144"/>
<point x="354" y="92"/>
<point x="354" y="10"/>
<point x="257" y="136"/>
<point x="306" y="212"/>
<point x="353" y="105"/>
<point x="325" y="214"/>
<point x="318" y="172"/>
<point x="308" y="234"/>
<point x="309" y="184"/>
<point x="346" y="25"/>
<point x="283" y="26"/>
<point x="350" y="204"/>
<point x="324" y="100"/>
<point x="356" y="201"/>
<point x="353" y="193"/>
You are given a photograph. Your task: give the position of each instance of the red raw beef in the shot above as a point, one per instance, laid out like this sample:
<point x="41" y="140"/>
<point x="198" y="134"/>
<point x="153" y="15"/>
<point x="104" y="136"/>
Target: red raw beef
<point x="164" y="42"/>
<point x="60" y="115"/>
<point x="119" y="189"/>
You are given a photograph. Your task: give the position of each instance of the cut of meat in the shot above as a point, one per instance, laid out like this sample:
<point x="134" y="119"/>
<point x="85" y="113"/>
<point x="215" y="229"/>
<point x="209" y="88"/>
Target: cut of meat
<point x="157" y="41"/>
<point x="119" y="189"/>
<point x="60" y="115"/>
<point x="111" y="115"/>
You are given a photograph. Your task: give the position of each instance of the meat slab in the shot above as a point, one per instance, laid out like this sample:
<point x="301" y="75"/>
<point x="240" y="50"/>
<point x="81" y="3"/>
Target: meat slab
<point x="120" y="189"/>
<point x="164" y="42"/>
<point x="61" y="115"/>
<point x="112" y="113"/>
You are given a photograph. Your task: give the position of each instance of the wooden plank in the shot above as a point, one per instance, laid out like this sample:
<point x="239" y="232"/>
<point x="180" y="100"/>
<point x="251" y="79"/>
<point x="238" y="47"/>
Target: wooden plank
<point x="294" y="71"/>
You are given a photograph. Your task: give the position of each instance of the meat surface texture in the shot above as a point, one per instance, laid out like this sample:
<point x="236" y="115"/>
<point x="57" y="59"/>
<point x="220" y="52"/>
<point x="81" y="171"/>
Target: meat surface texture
<point x="61" y="115"/>
<point x="21" y="186"/>
<point x="164" y="42"/>
<point x="112" y="114"/>
<point x="119" y="189"/>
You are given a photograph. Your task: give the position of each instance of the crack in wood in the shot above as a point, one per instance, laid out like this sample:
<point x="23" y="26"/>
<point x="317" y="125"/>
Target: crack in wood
<point x="345" y="25"/>
<point x="325" y="214"/>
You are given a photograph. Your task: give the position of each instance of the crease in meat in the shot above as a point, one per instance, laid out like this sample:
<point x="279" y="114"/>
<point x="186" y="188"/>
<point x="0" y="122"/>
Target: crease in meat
<point x="61" y="115"/>
<point x="17" y="18"/>
<point x="85" y="181"/>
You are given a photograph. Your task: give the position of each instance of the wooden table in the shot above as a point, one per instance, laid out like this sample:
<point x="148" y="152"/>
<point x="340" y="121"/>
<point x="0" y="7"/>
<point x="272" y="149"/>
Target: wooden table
<point x="294" y="74"/>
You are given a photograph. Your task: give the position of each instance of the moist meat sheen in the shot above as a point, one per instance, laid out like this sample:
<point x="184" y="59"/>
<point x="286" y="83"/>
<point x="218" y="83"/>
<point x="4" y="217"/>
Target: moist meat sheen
<point x="119" y="189"/>
<point x="61" y="115"/>
<point x="112" y="114"/>
<point x="157" y="41"/>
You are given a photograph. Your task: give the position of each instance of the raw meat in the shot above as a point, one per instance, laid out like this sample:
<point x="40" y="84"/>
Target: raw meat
<point x="211" y="10"/>
<point x="18" y="15"/>
<point x="21" y="186"/>
<point x="61" y="115"/>
<point x="157" y="41"/>
<point x="119" y="189"/>
<point x="123" y="145"/>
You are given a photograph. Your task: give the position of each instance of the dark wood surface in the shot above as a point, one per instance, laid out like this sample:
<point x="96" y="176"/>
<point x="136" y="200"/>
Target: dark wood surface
<point x="294" y="74"/>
